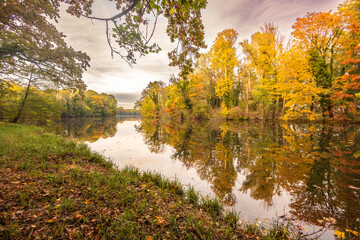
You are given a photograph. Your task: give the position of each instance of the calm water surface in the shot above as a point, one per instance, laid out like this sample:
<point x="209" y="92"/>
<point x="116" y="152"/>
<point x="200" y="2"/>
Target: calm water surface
<point x="262" y="169"/>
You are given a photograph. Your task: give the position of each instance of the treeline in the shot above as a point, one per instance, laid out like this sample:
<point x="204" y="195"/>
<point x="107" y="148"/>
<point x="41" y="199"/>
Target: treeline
<point x="18" y="102"/>
<point x="123" y="111"/>
<point x="315" y="76"/>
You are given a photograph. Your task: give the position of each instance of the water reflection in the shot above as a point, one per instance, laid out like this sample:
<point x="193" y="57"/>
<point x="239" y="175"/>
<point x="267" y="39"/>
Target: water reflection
<point x="318" y="165"/>
<point x="82" y="129"/>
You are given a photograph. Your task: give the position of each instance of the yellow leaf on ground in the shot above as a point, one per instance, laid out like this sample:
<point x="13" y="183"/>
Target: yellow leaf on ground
<point x="339" y="234"/>
<point x="353" y="232"/>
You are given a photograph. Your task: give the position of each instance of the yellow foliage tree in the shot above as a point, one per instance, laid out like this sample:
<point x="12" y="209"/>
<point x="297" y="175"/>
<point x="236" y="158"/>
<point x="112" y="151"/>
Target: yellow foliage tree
<point x="297" y="86"/>
<point x="223" y="61"/>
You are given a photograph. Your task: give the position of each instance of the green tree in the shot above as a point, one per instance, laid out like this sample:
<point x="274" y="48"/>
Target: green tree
<point x="32" y="50"/>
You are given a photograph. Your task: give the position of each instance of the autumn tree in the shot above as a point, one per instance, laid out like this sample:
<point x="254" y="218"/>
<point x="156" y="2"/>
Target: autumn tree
<point x="40" y="105"/>
<point x="152" y="100"/>
<point x="347" y="87"/>
<point x="247" y="78"/>
<point x="296" y="85"/>
<point x="205" y="78"/>
<point x="178" y="97"/>
<point x="319" y="34"/>
<point x="223" y="61"/>
<point x="262" y="54"/>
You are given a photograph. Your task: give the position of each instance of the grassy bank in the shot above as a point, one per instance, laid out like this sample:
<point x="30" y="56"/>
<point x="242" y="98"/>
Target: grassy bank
<point x="54" y="188"/>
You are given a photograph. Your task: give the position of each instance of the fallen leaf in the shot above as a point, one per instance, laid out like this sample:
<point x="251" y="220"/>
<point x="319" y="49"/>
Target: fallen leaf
<point x="77" y="215"/>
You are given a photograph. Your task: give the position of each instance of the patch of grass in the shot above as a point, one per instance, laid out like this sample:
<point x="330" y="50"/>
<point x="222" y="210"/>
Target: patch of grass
<point x="211" y="206"/>
<point x="232" y="218"/>
<point x="67" y="205"/>
<point x="191" y="196"/>
<point x="24" y="199"/>
<point x="55" y="188"/>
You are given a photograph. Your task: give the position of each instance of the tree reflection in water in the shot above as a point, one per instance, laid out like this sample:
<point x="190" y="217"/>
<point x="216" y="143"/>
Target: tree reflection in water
<point x="317" y="164"/>
<point x="80" y="129"/>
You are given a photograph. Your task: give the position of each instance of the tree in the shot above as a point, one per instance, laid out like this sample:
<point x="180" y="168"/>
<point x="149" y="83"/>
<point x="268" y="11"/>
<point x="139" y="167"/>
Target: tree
<point x="132" y="35"/>
<point x="347" y="87"/>
<point x="246" y="77"/>
<point x="223" y="61"/>
<point x="262" y="54"/>
<point x="33" y="51"/>
<point x="130" y="27"/>
<point x="296" y="85"/>
<point x="319" y="34"/>
<point x="204" y="76"/>
<point x="152" y="99"/>
<point x="32" y="48"/>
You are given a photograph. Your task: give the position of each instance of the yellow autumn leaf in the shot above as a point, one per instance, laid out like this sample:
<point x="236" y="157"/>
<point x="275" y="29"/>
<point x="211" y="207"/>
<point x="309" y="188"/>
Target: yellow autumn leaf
<point x="339" y="234"/>
<point x="353" y="232"/>
<point x="77" y="215"/>
<point x="160" y="220"/>
<point x="171" y="11"/>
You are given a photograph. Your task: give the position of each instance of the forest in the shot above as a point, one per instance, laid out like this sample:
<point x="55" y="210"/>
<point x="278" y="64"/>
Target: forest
<point x="20" y="103"/>
<point x="315" y="76"/>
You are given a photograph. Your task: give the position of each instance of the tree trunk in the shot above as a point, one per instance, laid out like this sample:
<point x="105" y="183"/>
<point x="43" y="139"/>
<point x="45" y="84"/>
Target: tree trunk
<point x="247" y="88"/>
<point x="356" y="105"/>
<point x="283" y="108"/>
<point x="16" y="119"/>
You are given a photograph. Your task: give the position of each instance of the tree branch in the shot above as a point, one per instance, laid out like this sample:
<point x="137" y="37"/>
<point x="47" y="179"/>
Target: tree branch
<point x="135" y="2"/>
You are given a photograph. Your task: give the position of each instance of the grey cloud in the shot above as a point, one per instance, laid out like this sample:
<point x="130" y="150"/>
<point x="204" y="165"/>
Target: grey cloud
<point x="126" y="98"/>
<point x="246" y="16"/>
<point x="107" y="69"/>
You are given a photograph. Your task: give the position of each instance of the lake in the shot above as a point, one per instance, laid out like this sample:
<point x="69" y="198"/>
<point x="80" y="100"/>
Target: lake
<point x="310" y="172"/>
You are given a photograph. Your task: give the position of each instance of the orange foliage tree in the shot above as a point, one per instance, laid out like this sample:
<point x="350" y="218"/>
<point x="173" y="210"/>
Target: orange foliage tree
<point x="347" y="93"/>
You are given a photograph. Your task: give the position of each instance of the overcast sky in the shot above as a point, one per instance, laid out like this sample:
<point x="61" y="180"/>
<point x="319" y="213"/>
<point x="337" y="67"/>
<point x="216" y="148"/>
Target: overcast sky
<point x="114" y="76"/>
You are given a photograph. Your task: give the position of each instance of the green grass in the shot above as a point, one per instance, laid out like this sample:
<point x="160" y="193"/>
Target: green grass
<point x="55" y="188"/>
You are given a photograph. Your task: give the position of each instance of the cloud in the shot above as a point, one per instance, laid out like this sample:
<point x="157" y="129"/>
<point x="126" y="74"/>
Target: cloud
<point x="126" y="100"/>
<point x="126" y="97"/>
<point x="246" y="16"/>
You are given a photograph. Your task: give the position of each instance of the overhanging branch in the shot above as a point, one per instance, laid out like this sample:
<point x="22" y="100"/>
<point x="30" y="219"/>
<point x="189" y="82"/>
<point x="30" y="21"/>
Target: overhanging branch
<point x="135" y="2"/>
